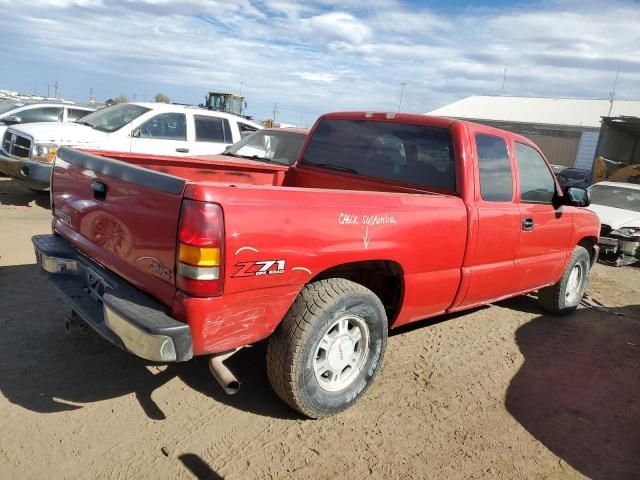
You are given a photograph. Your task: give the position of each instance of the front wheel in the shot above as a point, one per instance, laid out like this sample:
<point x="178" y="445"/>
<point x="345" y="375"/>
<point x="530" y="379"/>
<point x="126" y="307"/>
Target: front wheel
<point x="564" y="297"/>
<point x="329" y="347"/>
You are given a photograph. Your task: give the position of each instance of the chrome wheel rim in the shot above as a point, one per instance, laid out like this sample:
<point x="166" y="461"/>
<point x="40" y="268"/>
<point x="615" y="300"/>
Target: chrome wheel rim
<point x="341" y="353"/>
<point x="574" y="284"/>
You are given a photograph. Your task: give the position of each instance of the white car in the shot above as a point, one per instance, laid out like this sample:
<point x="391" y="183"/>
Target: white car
<point x="151" y="128"/>
<point x="618" y="206"/>
<point x="20" y="113"/>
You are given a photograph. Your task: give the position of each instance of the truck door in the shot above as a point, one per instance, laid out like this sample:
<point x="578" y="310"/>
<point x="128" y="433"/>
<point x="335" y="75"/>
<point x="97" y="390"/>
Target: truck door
<point x="545" y="231"/>
<point x="491" y="266"/>
<point x="162" y="134"/>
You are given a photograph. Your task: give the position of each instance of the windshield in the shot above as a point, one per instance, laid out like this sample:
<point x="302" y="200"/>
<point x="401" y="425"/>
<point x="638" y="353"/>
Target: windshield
<point x="277" y="146"/>
<point x="617" y="197"/>
<point x="7" y="107"/>
<point x="113" y="118"/>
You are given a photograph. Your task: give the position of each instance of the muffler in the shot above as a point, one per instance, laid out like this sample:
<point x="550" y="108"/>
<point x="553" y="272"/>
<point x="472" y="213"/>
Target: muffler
<point x="227" y="380"/>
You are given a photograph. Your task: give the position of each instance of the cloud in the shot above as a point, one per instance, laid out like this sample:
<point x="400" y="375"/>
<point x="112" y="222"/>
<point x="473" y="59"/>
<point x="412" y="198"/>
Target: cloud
<point x="328" y="55"/>
<point x="323" y="77"/>
<point x="336" y="26"/>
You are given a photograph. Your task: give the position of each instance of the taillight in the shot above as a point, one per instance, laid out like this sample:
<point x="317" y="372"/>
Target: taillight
<point x="200" y="256"/>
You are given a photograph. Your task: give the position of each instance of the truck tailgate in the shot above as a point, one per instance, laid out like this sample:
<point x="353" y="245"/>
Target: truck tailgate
<point x="122" y="216"/>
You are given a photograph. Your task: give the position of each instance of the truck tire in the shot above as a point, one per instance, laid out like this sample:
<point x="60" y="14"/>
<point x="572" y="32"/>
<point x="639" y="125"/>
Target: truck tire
<point x="564" y="297"/>
<point x="328" y="348"/>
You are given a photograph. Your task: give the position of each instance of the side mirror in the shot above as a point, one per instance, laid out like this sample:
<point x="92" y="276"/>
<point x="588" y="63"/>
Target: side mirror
<point x="577" y="197"/>
<point x="135" y="133"/>
<point x="12" y="120"/>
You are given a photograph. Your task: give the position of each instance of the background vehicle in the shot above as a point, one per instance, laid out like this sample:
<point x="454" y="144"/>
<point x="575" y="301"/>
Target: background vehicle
<point x="17" y="113"/>
<point x="154" y="128"/>
<point x="274" y="145"/>
<point x="225" y="102"/>
<point x="618" y="206"/>
<point x="384" y="219"/>
<point x="574" y="177"/>
<point x="557" y="168"/>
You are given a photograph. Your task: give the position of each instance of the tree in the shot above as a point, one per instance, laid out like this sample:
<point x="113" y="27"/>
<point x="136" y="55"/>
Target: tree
<point x="162" y="98"/>
<point x="121" y="99"/>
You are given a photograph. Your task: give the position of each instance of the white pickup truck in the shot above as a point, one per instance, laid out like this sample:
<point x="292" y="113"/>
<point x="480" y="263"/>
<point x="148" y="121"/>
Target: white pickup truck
<point x="153" y="128"/>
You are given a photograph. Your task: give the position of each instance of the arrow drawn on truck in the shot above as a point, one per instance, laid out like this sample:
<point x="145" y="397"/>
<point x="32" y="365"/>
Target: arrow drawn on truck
<point x="365" y="237"/>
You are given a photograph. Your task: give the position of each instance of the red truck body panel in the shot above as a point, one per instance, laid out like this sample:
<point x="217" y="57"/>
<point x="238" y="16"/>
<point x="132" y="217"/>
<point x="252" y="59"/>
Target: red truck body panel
<point x="285" y="226"/>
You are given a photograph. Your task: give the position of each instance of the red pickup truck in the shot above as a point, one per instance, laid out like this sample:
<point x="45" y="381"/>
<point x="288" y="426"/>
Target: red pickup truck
<point x="384" y="219"/>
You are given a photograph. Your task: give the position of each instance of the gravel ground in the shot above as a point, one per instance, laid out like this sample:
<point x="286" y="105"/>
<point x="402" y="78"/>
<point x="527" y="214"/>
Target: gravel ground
<point x="500" y="392"/>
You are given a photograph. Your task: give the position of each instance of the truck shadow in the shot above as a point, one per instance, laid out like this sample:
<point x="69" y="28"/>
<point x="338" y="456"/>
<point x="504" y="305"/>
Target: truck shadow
<point x="577" y="391"/>
<point x="12" y="193"/>
<point x="198" y="467"/>
<point x="45" y="370"/>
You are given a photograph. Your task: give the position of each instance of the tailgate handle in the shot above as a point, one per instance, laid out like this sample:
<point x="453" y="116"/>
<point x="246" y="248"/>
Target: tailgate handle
<point x="99" y="190"/>
<point x="182" y="150"/>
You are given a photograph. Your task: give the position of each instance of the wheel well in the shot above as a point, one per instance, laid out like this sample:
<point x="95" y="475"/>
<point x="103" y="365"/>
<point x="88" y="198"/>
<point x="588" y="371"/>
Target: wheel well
<point x="385" y="278"/>
<point x="589" y="243"/>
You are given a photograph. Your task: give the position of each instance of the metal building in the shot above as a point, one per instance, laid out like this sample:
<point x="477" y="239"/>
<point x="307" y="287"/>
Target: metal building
<point x="566" y="129"/>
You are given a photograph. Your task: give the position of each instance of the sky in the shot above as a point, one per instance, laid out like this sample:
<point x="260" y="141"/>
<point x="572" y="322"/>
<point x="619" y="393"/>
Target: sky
<point x="327" y="55"/>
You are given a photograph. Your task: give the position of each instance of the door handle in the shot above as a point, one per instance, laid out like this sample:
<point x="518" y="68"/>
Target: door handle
<point x="527" y="224"/>
<point x="99" y="190"/>
<point x="182" y="150"/>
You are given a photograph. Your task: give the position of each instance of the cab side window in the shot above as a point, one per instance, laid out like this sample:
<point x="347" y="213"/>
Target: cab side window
<point x="74" y="114"/>
<point x="212" y="129"/>
<point x="496" y="180"/>
<point x="41" y="114"/>
<point x="166" y="126"/>
<point x="536" y="182"/>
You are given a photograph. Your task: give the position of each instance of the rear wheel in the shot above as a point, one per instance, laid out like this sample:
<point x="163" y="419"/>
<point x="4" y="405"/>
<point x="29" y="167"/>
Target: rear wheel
<point x="329" y="347"/>
<point x="565" y="296"/>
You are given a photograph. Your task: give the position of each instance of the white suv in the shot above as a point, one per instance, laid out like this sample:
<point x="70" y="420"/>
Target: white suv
<point x="17" y="112"/>
<point x="152" y="128"/>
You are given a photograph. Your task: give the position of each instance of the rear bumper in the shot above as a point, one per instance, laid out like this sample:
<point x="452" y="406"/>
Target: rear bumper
<point x="119" y="312"/>
<point x="31" y="174"/>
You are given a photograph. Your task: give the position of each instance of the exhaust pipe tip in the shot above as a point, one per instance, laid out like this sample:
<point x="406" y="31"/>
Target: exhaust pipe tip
<point x="227" y="380"/>
<point x="232" y="387"/>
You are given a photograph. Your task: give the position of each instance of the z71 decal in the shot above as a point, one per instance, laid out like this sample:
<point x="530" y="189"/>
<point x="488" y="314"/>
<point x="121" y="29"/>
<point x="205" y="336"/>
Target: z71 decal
<point x="262" y="267"/>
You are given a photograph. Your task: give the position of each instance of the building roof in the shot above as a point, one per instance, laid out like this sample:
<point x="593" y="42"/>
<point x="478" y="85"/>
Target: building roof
<point x="579" y="112"/>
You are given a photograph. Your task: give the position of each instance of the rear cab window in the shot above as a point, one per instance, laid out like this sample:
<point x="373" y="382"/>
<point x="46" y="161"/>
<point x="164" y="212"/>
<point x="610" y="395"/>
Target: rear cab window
<point x="403" y="153"/>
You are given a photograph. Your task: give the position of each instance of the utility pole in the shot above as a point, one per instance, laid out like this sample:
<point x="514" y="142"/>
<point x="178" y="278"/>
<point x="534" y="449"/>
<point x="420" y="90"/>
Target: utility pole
<point x="48" y="92"/>
<point x="55" y="88"/>
<point x="504" y="81"/>
<point x="134" y="97"/>
<point x="612" y="95"/>
<point x="90" y="93"/>
<point x="401" y="93"/>
<point x="275" y="112"/>
<point x="241" y="85"/>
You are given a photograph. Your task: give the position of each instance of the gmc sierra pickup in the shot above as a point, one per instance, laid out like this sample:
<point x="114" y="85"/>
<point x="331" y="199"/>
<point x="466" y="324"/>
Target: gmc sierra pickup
<point x="384" y="219"/>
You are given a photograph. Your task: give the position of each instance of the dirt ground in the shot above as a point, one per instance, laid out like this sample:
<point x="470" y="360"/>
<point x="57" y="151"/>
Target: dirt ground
<point x="501" y="392"/>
